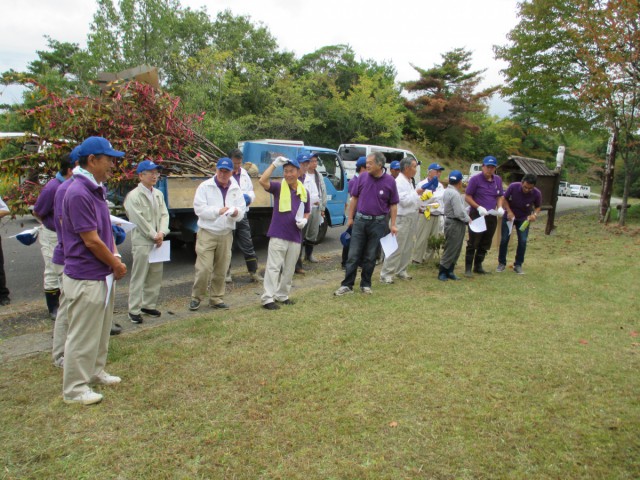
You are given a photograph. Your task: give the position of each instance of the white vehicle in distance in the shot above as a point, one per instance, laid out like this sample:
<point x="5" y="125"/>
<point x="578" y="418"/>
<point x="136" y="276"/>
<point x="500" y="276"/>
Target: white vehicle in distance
<point x="564" y="189"/>
<point x="474" y="169"/>
<point x="350" y="152"/>
<point x="585" y="191"/>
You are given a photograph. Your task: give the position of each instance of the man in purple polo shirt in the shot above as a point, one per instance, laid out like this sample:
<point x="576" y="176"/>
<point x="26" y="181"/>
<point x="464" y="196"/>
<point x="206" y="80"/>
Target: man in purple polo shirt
<point x="90" y="268"/>
<point x="483" y="193"/>
<point x="43" y="211"/>
<point x="291" y="208"/>
<point x="522" y="200"/>
<point x="374" y="197"/>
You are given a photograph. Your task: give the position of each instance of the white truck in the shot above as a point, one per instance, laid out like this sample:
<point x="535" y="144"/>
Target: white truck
<point x="474" y="169"/>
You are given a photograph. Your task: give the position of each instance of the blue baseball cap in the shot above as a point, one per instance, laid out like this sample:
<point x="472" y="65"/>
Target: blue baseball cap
<point x="314" y="154"/>
<point x="224" y="163"/>
<point x="362" y="161"/>
<point x="74" y="156"/>
<point x="98" y="146"/>
<point x="490" y="161"/>
<point x="455" y="176"/>
<point x="436" y="166"/>
<point x="303" y="158"/>
<point x="395" y="165"/>
<point x="147" y="165"/>
<point x="294" y="162"/>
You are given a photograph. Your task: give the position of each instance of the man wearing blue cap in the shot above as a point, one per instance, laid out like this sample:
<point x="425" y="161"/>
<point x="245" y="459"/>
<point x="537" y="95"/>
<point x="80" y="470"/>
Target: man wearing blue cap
<point x="484" y="193"/>
<point x="291" y="207"/>
<point x="314" y="198"/>
<point x="219" y="204"/>
<point x="456" y="220"/>
<point x="146" y="208"/>
<point x="91" y="266"/>
<point x="431" y="215"/>
<point x="394" y="169"/>
<point x="4" y="291"/>
<point x="43" y="211"/>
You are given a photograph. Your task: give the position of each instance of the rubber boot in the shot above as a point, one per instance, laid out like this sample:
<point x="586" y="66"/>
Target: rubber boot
<point x="450" y="274"/>
<point x="52" y="298"/>
<point x="443" y="274"/>
<point x="477" y="262"/>
<point x="308" y="253"/>
<point x="468" y="264"/>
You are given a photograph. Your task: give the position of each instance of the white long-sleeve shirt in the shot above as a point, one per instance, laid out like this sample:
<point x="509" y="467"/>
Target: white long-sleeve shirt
<point x="246" y="185"/>
<point x="409" y="198"/>
<point x="207" y="204"/>
<point x="312" y="190"/>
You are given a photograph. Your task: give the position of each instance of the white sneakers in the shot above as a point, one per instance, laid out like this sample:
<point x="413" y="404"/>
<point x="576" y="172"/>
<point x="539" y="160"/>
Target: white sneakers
<point x="343" y="291"/>
<point x="386" y="280"/>
<point x="88" y="397"/>
<point x="59" y="362"/>
<point x="104" y="378"/>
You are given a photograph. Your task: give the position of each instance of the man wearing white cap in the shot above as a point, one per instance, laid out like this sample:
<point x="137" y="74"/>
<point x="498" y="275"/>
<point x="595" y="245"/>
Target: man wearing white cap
<point x="146" y="208"/>
<point x="219" y="204"/>
<point x="431" y="215"/>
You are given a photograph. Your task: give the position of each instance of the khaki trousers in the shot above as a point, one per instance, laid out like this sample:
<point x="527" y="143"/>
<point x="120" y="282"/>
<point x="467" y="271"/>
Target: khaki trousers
<point x="399" y="260"/>
<point x="278" y="275"/>
<point x="48" y="241"/>
<point x="214" y="256"/>
<point x="61" y="325"/>
<point x="426" y="229"/>
<point x="146" y="280"/>
<point x="87" y="345"/>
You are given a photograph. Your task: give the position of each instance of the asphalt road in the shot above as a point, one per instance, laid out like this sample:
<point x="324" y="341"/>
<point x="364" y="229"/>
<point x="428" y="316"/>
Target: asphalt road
<point x="24" y="265"/>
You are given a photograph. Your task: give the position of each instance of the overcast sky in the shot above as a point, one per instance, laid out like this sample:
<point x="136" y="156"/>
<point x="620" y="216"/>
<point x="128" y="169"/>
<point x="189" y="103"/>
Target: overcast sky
<point x="403" y="32"/>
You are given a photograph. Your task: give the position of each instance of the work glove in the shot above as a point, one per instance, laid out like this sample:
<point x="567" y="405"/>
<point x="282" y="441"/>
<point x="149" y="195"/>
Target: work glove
<point x="301" y="223"/>
<point x="500" y="212"/>
<point x="482" y="211"/>
<point x="426" y="195"/>
<point x="247" y="199"/>
<point x="280" y="161"/>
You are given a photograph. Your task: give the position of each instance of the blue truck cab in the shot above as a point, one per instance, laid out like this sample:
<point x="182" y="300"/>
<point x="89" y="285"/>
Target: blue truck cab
<point x="179" y="191"/>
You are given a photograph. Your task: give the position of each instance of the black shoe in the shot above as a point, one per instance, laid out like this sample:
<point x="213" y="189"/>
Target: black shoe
<point x="288" y="301"/>
<point x="271" y="306"/>
<point x="300" y="271"/>
<point x="135" y="318"/>
<point x="116" y="329"/>
<point x="5" y="301"/>
<point x="480" y="271"/>
<point x="152" y="312"/>
<point x="220" y="306"/>
<point x="194" y="305"/>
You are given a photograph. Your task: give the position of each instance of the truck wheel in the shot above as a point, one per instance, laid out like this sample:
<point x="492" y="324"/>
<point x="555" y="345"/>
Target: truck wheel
<point x="322" y="232"/>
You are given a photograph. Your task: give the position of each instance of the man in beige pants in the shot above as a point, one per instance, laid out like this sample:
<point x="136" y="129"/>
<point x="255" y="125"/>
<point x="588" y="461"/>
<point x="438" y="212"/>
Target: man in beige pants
<point x="146" y="208"/>
<point x="219" y="204"/>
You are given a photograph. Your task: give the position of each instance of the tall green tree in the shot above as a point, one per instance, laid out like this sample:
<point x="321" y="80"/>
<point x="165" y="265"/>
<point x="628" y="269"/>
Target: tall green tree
<point x="576" y="64"/>
<point x="445" y="99"/>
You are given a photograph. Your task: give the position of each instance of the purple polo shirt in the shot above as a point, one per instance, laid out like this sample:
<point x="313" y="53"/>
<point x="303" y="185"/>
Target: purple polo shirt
<point x="353" y="185"/>
<point x="85" y="209"/>
<point x="223" y="190"/>
<point x="485" y="192"/>
<point x="44" y="205"/>
<point x="283" y="224"/>
<point x="522" y="204"/>
<point x="376" y="195"/>
<point x="58" y="252"/>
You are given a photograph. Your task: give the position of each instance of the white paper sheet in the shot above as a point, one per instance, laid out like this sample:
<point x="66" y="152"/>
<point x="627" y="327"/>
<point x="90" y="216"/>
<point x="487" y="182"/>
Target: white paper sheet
<point x="110" y="281"/>
<point x="493" y="212"/>
<point x="161" y="253"/>
<point x="300" y="212"/>
<point x="510" y="225"/>
<point x="389" y="244"/>
<point x="478" y="225"/>
<point x="122" y="223"/>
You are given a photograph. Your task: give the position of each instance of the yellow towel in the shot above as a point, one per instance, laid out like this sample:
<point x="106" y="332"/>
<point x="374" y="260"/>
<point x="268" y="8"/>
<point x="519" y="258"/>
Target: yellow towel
<point x="285" y="195"/>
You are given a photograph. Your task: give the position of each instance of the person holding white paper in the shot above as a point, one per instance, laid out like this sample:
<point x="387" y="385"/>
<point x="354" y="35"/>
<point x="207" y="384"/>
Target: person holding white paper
<point x="456" y="219"/>
<point x="483" y="193"/>
<point x="145" y="208"/>
<point x="219" y="204"/>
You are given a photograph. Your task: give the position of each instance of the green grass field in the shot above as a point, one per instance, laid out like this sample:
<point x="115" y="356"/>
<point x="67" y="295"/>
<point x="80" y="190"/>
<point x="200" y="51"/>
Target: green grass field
<point x="506" y="376"/>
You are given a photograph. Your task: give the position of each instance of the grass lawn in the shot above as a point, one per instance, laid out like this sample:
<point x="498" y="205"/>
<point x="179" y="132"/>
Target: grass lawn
<point x="506" y="376"/>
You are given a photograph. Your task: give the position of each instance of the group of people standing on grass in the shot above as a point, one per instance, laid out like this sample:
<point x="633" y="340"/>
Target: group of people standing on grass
<point x="82" y="260"/>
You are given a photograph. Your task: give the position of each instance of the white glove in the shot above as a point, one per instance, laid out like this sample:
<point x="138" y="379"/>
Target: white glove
<point x="500" y="212"/>
<point x="482" y="211"/>
<point x="301" y="223"/>
<point x="280" y="161"/>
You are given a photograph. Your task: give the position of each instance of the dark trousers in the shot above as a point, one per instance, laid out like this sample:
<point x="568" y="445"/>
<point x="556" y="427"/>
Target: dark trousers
<point x="242" y="239"/>
<point x="479" y="244"/>
<point x="454" y="231"/>
<point x="365" y="238"/>
<point x="504" y="242"/>
<point x="4" y="291"/>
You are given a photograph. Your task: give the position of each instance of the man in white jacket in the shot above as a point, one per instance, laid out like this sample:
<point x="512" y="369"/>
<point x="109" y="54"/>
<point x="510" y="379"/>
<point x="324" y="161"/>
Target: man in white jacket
<point x="146" y="208"/>
<point x="219" y="204"/>
<point x="396" y="264"/>
<point x="242" y="234"/>
<point x="433" y="225"/>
